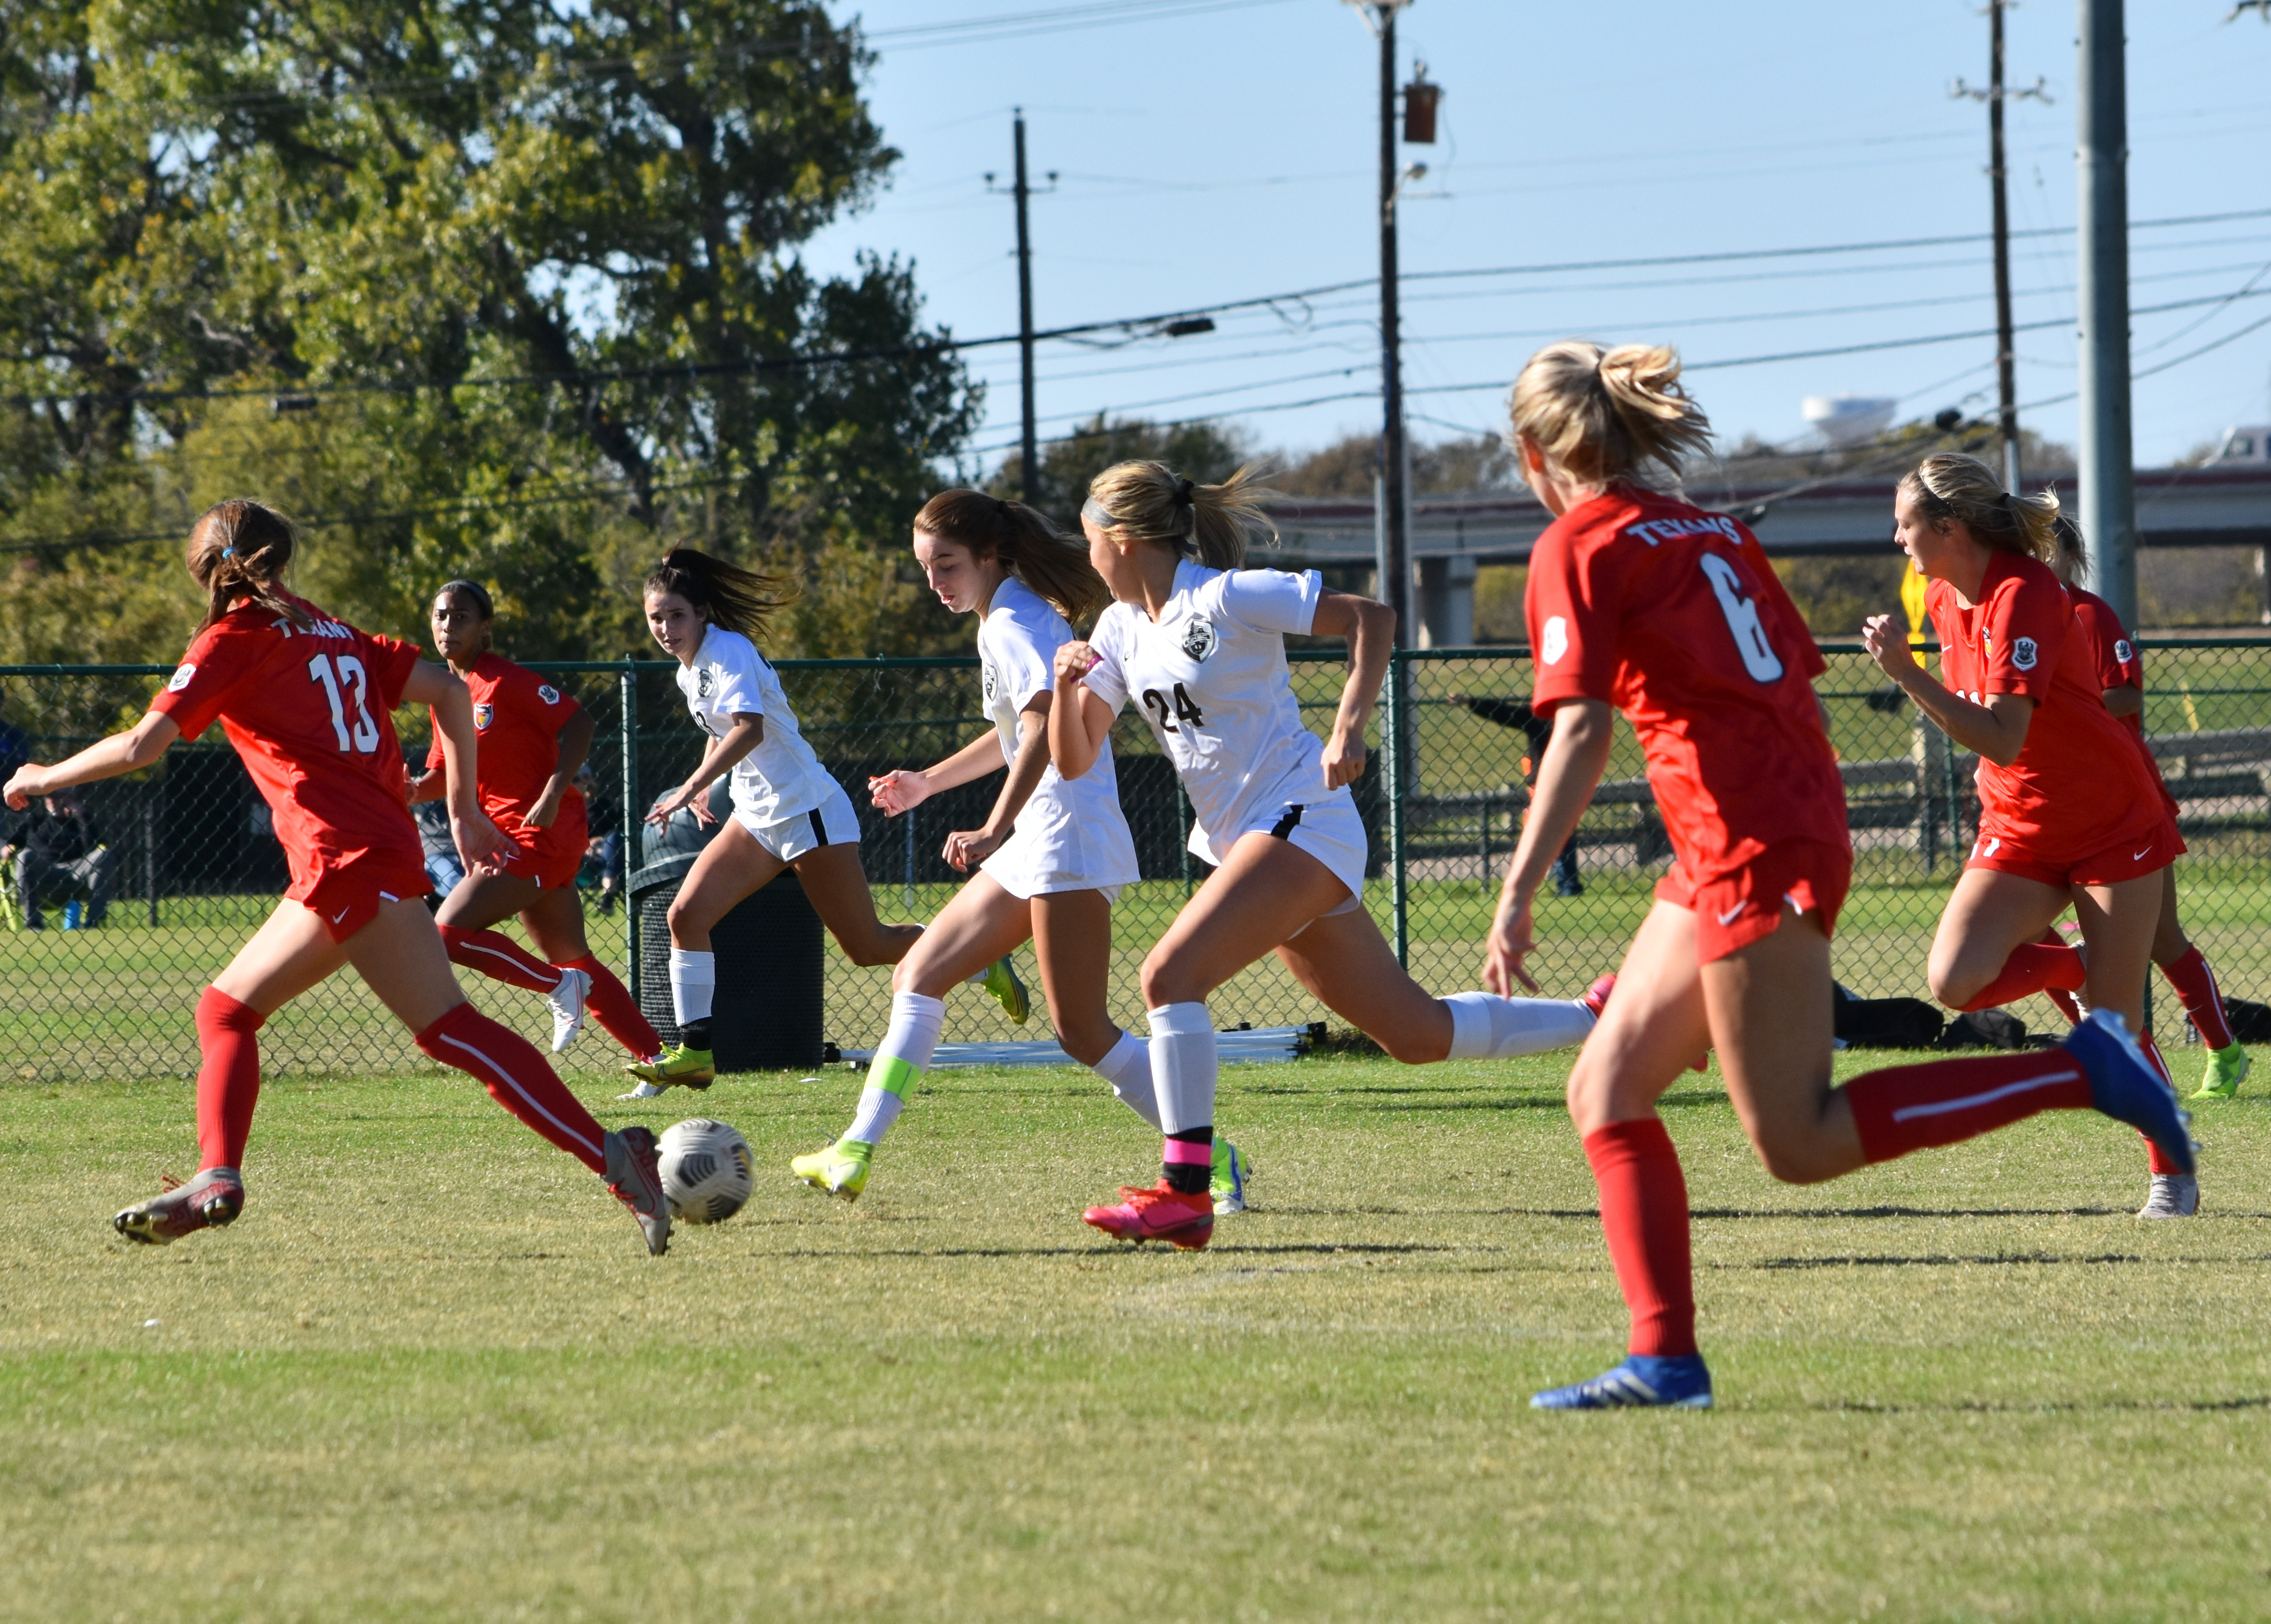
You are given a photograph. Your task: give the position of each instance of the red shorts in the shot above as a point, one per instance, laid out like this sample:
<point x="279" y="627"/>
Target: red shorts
<point x="551" y="857"/>
<point x="2143" y="853"/>
<point x="348" y="895"/>
<point x="1746" y="905"/>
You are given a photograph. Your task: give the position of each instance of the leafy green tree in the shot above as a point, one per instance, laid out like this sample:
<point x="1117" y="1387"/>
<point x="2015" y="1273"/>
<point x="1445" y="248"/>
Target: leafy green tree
<point x="1207" y="452"/>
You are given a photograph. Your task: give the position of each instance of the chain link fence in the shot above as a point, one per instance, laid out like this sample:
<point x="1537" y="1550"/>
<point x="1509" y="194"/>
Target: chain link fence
<point x="158" y="877"/>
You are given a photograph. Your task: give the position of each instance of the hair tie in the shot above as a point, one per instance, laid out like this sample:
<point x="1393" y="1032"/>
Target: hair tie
<point x="1001" y="508"/>
<point x="1183" y="493"/>
<point x="229" y="552"/>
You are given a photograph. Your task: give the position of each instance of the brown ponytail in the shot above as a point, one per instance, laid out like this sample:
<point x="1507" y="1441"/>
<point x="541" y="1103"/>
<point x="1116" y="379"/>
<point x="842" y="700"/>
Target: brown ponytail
<point x="1028" y="547"/>
<point x="724" y="594"/>
<point x="238" y="549"/>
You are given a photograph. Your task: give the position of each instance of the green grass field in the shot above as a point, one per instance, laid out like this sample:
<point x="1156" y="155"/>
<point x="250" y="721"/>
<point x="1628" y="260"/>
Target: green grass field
<point x="430" y="1373"/>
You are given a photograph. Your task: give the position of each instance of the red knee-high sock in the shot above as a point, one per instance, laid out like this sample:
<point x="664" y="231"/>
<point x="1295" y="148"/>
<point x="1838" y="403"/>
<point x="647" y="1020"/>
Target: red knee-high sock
<point x="499" y="956"/>
<point x="517" y="1078"/>
<point x="2032" y="966"/>
<point x="2060" y="996"/>
<point x="228" y="1078"/>
<point x="611" y="1001"/>
<point x="1906" y="1108"/>
<point x="2156" y="1160"/>
<point x="2202" y="998"/>
<point x="1644" y="1216"/>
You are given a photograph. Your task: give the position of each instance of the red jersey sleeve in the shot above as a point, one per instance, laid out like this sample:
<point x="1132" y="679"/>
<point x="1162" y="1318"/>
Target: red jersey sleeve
<point x="216" y="664"/>
<point x="534" y="697"/>
<point x="394" y="660"/>
<point x="2111" y="652"/>
<point x="435" y="760"/>
<point x="2024" y="629"/>
<point x="1574" y="604"/>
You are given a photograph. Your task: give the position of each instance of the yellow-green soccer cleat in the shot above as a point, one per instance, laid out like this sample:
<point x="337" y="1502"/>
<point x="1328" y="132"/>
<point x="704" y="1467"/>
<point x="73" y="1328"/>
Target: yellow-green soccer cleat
<point x="1003" y="987"/>
<point x="2227" y="1069"/>
<point x="839" y="1170"/>
<point x="680" y="1067"/>
<point x="1228" y="1184"/>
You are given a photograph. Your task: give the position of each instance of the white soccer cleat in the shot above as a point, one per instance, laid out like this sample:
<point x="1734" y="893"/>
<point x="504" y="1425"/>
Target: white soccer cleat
<point x="567" y="1003"/>
<point x="644" y="1091"/>
<point x="2175" y="1195"/>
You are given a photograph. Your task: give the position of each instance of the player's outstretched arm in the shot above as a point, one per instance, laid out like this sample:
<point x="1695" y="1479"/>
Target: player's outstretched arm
<point x="901" y="790"/>
<point x="1575" y="755"/>
<point x="1078" y="718"/>
<point x="1996" y="729"/>
<point x="1370" y="628"/>
<point x="139" y="747"/>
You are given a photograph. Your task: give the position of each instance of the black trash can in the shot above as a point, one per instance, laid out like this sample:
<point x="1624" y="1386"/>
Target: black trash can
<point x="769" y="1008"/>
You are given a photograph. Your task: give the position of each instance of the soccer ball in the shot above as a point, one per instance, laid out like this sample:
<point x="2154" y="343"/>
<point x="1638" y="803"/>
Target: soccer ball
<point x="706" y="1171"/>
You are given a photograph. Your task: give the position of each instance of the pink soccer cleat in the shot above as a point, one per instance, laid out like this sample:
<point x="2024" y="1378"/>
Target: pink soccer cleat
<point x="1596" y="995"/>
<point x="1184" y="1221"/>
<point x="214" y="1198"/>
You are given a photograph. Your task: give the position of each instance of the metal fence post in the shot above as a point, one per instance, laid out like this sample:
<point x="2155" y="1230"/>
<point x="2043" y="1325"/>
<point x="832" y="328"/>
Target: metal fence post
<point x="627" y="687"/>
<point x="1398" y="738"/>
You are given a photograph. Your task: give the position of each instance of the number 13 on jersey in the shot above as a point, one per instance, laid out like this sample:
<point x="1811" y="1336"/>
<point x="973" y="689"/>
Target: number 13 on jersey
<point x="335" y="676"/>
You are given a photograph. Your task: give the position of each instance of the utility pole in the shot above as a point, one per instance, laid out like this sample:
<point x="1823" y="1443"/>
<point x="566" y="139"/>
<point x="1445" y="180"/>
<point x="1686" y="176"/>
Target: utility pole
<point x="1028" y="441"/>
<point x="2109" y="497"/>
<point x="2006" y="359"/>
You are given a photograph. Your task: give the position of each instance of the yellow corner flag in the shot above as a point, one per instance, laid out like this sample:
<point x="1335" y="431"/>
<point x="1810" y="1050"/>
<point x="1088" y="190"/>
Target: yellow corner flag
<point x="1912" y="588"/>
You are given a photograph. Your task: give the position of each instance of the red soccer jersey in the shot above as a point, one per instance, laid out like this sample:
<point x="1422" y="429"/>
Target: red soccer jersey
<point x="2079" y="785"/>
<point x="2118" y="663"/>
<point x="308" y="713"/>
<point x="519" y="716"/>
<point x="1673" y="616"/>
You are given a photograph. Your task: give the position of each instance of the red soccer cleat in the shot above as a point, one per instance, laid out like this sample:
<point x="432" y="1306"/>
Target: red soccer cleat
<point x="1596" y="995"/>
<point x="1186" y="1222"/>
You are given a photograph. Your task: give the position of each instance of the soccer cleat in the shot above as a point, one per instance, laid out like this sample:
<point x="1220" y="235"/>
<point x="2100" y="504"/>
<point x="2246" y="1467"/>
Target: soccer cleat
<point x="634" y="1177"/>
<point x="839" y="1170"/>
<point x="2128" y="1087"/>
<point x="1003" y="987"/>
<point x="1186" y="1222"/>
<point x="214" y="1198"/>
<point x="2175" y="1195"/>
<point x="2227" y="1068"/>
<point x="1642" y="1382"/>
<point x="1227" y="1183"/>
<point x="678" y="1065"/>
<point x="1596" y="996"/>
<point x="566" y="1002"/>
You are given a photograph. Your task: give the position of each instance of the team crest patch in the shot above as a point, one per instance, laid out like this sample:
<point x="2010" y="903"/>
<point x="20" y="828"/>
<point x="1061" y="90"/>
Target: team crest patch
<point x="1199" y="639"/>
<point x="2023" y="654"/>
<point x="992" y="683"/>
<point x="2122" y="651"/>
<point x="181" y="678"/>
<point x="483" y="715"/>
<point x="548" y="693"/>
<point x="1554" y="642"/>
<point x="704" y="682"/>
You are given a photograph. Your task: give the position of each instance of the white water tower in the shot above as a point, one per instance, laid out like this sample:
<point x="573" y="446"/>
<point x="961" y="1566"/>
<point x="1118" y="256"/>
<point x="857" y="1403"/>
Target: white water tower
<point x="1847" y="421"/>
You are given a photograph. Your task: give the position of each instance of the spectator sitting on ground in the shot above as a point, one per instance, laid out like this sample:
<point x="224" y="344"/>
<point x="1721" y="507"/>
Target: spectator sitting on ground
<point x="54" y="849"/>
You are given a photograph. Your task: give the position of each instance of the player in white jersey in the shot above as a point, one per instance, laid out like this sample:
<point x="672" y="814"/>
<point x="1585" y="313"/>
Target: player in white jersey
<point x="788" y="813"/>
<point x="1198" y="643"/>
<point x="1052" y="854"/>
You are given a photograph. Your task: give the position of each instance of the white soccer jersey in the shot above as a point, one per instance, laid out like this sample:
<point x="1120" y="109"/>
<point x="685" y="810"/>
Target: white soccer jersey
<point x="1210" y="676"/>
<point x="1070" y="836"/>
<point x="781" y="778"/>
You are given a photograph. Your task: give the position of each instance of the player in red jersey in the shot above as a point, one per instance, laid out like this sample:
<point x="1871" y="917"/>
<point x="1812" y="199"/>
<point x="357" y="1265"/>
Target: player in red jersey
<point x="2070" y="814"/>
<point x="2121" y="681"/>
<point x="1641" y="603"/>
<point x="305" y="698"/>
<point x="533" y="738"/>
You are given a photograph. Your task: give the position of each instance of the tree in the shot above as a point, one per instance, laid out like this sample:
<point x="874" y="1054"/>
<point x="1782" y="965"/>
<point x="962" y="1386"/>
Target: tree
<point x="1449" y="467"/>
<point x="521" y="280"/>
<point x="1206" y="453"/>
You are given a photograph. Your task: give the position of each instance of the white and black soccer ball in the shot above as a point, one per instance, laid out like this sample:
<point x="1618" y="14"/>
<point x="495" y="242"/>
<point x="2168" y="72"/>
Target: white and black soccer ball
<point x="706" y="1171"/>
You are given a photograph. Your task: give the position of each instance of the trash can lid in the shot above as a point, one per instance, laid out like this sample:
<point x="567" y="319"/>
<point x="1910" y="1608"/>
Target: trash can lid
<point x="669" y="871"/>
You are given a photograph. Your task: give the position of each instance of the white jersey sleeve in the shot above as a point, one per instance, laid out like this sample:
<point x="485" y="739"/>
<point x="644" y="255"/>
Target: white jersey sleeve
<point x="1277" y="600"/>
<point x="1108" y="679"/>
<point x="1017" y="643"/>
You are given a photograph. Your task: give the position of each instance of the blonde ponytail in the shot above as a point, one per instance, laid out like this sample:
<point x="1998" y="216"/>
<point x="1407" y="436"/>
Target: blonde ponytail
<point x="1213" y="523"/>
<point x="1949" y="488"/>
<point x="1609" y="417"/>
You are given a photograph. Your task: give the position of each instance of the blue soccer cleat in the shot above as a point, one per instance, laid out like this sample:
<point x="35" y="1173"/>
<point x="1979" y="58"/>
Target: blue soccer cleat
<point x="1642" y="1382"/>
<point x="2129" y="1088"/>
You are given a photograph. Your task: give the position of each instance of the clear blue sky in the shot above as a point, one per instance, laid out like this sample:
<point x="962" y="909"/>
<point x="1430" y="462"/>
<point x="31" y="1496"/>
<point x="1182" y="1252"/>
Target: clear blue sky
<point x="1224" y="151"/>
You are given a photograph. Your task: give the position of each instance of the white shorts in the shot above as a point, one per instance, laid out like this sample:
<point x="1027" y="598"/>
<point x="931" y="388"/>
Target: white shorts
<point x="831" y="823"/>
<point x="1331" y="831"/>
<point x="1054" y="850"/>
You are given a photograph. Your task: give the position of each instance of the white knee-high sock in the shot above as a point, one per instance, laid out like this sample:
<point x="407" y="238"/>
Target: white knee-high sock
<point x="1485" y="1026"/>
<point x="1128" y="1068"/>
<point x="1183" y="1066"/>
<point x="693" y="984"/>
<point x="903" y="1055"/>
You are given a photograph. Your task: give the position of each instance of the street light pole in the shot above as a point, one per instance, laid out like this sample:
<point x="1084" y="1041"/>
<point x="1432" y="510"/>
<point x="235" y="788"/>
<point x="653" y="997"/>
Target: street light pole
<point x="1028" y="441"/>
<point x="1396" y="584"/>
<point x="2109" y="496"/>
<point x="2006" y="358"/>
